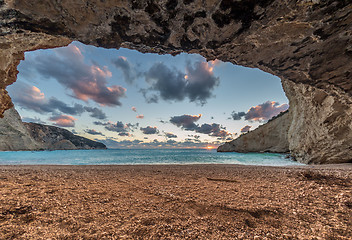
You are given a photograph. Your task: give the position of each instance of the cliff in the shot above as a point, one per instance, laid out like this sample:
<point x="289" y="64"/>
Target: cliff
<point x="60" y="139"/>
<point x="18" y="136"/>
<point x="307" y="43"/>
<point x="14" y="136"/>
<point x="270" y="137"/>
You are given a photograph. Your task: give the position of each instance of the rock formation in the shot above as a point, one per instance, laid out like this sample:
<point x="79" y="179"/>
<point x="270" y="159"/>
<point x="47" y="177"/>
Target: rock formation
<point x="270" y="137"/>
<point x="18" y="136"/>
<point x="60" y="139"/>
<point x="14" y="135"/>
<point x="307" y="43"/>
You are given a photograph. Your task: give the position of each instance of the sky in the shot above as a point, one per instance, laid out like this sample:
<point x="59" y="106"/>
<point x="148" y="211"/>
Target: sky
<point x="127" y="99"/>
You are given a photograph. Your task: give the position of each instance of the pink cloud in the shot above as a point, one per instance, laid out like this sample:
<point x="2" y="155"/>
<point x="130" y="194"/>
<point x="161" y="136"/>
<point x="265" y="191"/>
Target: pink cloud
<point x="35" y="93"/>
<point x="86" y="81"/>
<point x="63" y="120"/>
<point x="93" y="88"/>
<point x="265" y="111"/>
<point x="215" y="62"/>
<point x="245" y="129"/>
<point x="76" y="51"/>
<point x="31" y="98"/>
<point x="29" y="95"/>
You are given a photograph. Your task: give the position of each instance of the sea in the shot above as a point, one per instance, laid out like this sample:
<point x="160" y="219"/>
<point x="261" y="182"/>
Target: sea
<point x="141" y="157"/>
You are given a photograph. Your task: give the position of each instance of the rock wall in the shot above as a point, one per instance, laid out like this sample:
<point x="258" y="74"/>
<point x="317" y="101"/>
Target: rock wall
<point x="14" y="135"/>
<point x="18" y="136"/>
<point x="321" y="127"/>
<point x="307" y="43"/>
<point x="270" y="137"/>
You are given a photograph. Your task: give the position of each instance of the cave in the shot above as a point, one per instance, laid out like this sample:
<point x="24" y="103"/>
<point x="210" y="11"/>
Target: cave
<point x="306" y="43"/>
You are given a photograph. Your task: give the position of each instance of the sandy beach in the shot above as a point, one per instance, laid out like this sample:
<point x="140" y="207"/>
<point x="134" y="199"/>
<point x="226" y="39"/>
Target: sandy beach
<point x="176" y="202"/>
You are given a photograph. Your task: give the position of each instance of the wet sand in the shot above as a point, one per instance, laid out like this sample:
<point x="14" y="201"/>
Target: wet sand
<point x="176" y="202"/>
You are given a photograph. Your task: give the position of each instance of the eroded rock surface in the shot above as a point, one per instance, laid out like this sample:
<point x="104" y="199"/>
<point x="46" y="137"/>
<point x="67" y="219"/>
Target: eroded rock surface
<point x="16" y="135"/>
<point x="321" y="127"/>
<point x="307" y="43"/>
<point x="270" y="137"/>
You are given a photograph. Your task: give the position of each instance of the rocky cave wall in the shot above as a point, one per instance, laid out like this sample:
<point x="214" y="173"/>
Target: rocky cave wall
<point x="307" y="43"/>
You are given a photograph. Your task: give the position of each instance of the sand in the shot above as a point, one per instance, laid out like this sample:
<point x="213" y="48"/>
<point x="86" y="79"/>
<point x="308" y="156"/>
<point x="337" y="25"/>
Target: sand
<point x="175" y="202"/>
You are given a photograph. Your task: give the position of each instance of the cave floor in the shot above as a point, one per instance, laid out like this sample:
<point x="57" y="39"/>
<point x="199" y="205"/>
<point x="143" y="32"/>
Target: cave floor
<point x="175" y="202"/>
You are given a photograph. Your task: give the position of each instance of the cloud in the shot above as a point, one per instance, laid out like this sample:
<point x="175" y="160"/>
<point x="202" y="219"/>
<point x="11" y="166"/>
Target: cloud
<point x="201" y="81"/>
<point x="118" y="127"/>
<point x="261" y="112"/>
<point x="96" y="113"/>
<point x="129" y="72"/>
<point x="245" y="129"/>
<point x="186" y="122"/>
<point x="213" y="129"/>
<point x="111" y="143"/>
<point x="149" y="98"/>
<point x="140" y="116"/>
<point x="124" y="134"/>
<point x="170" y="135"/>
<point x="173" y="85"/>
<point x="93" y="132"/>
<point x="87" y="82"/>
<point x="136" y="144"/>
<point x="265" y="111"/>
<point x="76" y="109"/>
<point x="149" y="130"/>
<point x="33" y="120"/>
<point x="31" y="98"/>
<point x="237" y="115"/>
<point x="169" y="83"/>
<point x="195" y="136"/>
<point x="207" y="128"/>
<point x="63" y="120"/>
<point x="132" y="126"/>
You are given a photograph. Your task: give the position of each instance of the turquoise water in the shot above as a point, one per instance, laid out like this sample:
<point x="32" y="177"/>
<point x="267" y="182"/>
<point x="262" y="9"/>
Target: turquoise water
<point x="142" y="156"/>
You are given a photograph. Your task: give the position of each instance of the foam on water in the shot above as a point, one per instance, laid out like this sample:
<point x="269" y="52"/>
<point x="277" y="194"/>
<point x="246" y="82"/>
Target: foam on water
<point x="142" y="156"/>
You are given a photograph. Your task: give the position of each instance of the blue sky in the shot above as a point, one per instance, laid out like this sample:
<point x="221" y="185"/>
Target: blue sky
<point x="180" y="101"/>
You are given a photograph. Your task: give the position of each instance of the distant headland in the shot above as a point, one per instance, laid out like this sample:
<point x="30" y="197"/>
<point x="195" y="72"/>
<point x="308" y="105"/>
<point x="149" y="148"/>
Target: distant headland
<point x="16" y="135"/>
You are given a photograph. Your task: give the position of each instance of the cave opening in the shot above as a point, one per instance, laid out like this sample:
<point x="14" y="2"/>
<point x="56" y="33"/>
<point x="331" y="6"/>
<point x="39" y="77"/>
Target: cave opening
<point x="307" y="44"/>
<point x="129" y="99"/>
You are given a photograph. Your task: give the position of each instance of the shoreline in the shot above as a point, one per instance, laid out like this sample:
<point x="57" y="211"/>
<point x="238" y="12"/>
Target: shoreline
<point x="338" y="166"/>
<point x="205" y="201"/>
